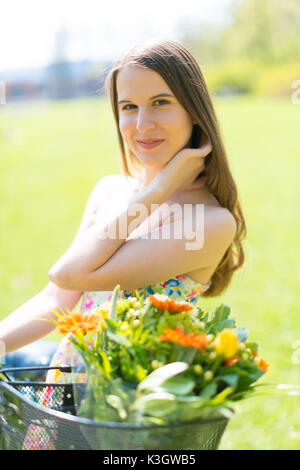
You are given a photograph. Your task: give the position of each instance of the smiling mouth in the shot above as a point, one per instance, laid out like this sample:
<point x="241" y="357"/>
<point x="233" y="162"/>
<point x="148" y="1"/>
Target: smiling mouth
<point x="149" y="144"/>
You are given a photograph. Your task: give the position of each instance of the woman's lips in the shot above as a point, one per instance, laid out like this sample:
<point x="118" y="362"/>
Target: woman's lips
<point x="149" y="145"/>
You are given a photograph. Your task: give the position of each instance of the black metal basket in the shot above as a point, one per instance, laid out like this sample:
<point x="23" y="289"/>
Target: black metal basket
<point x="25" y="423"/>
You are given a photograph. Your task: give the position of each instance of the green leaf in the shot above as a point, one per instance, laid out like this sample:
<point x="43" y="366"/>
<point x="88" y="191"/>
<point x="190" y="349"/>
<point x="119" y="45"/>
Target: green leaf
<point x="230" y="379"/>
<point x="113" y="307"/>
<point x="189" y="355"/>
<point x="209" y="390"/>
<point x="140" y="373"/>
<point x="156" y="404"/>
<point x="177" y="385"/>
<point x="253" y="346"/>
<point x="191" y="399"/>
<point x="116" y="402"/>
<point x="271" y="388"/>
<point x="220" y="398"/>
<point x="49" y="320"/>
<point x="190" y="414"/>
<point x="150" y="420"/>
<point x="119" y="338"/>
<point x="217" y="411"/>
<point x="220" y="320"/>
<point x="221" y="313"/>
<point x="158" y="377"/>
<point x="112" y="325"/>
<point x="106" y="364"/>
<point x="162" y="325"/>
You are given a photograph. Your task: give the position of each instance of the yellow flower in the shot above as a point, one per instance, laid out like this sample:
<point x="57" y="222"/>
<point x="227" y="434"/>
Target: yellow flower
<point x="103" y="310"/>
<point x="134" y="302"/>
<point x="226" y="343"/>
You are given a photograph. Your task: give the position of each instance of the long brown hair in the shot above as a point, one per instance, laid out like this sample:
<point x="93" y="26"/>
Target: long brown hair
<point x="176" y="65"/>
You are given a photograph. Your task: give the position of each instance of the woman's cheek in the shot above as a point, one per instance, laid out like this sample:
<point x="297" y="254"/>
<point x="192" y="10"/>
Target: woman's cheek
<point x="124" y="131"/>
<point x="125" y="126"/>
<point x="127" y="139"/>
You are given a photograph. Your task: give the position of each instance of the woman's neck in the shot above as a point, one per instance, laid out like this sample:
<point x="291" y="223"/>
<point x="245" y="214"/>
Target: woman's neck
<point x="142" y="182"/>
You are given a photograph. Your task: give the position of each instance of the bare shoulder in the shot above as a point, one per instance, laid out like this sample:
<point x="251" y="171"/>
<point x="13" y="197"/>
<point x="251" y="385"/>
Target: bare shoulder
<point x="108" y="180"/>
<point x="117" y="186"/>
<point x="219" y="232"/>
<point x="221" y="216"/>
<point x="111" y="190"/>
<point x="220" y="223"/>
<point x="108" y="185"/>
<point x="116" y="181"/>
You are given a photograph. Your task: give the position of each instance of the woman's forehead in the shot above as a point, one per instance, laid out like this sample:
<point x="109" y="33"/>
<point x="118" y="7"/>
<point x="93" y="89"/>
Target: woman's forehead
<point x="132" y="79"/>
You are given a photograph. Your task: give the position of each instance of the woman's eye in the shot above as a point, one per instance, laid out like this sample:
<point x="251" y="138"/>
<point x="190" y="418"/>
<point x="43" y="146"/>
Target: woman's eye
<point x="125" y="108"/>
<point x="161" y="101"/>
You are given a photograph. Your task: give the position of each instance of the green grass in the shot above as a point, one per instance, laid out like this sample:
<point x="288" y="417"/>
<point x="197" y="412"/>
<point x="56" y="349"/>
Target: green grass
<point x="53" y="154"/>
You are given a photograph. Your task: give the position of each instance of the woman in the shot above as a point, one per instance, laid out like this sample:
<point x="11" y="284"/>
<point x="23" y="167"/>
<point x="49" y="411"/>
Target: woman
<point x="176" y="159"/>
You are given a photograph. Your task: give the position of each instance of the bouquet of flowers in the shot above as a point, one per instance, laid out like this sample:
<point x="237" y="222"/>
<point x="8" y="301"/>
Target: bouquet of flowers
<point x="158" y="361"/>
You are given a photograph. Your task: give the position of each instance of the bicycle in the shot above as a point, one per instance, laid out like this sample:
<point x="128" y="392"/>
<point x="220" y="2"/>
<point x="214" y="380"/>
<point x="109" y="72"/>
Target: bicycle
<point x="26" y="423"/>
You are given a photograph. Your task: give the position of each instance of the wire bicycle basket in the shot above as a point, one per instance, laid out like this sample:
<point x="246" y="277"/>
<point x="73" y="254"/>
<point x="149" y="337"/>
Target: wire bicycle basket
<point x="29" y="420"/>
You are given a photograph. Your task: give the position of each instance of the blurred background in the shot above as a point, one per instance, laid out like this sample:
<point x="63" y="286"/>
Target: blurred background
<point x="58" y="138"/>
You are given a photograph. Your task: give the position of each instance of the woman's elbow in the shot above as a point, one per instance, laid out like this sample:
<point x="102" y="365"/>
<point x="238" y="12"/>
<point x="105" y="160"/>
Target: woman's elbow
<point x="59" y="278"/>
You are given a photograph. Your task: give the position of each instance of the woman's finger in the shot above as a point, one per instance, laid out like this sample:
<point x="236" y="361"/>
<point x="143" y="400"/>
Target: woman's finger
<point x="206" y="147"/>
<point x="202" y="151"/>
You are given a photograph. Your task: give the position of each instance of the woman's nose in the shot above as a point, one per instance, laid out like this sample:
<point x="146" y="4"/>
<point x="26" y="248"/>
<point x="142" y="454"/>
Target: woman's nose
<point x="144" y="122"/>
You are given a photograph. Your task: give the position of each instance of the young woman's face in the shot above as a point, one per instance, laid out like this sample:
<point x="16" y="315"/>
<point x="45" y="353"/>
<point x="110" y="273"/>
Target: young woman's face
<point x="146" y="116"/>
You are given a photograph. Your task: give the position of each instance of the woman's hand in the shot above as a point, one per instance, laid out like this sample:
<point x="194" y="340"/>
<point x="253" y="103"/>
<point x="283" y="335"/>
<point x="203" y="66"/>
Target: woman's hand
<point x="182" y="170"/>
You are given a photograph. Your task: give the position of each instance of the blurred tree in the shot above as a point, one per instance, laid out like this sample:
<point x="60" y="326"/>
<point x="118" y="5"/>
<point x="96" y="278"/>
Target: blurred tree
<point x="203" y="40"/>
<point x="266" y="31"/>
<point x="286" y="31"/>
<point x="60" y="81"/>
<point x="251" y="31"/>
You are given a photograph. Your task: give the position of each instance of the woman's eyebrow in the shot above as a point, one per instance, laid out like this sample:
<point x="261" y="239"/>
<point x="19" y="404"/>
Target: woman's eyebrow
<point x="151" y="98"/>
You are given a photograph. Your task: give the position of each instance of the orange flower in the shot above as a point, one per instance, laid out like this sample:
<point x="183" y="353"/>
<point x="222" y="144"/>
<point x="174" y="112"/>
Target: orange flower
<point x="85" y="321"/>
<point x="177" y="335"/>
<point x="163" y="302"/>
<point x="229" y="361"/>
<point x="263" y="365"/>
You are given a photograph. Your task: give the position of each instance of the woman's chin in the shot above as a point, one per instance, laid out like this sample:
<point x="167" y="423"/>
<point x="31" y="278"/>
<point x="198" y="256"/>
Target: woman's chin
<point x="153" y="161"/>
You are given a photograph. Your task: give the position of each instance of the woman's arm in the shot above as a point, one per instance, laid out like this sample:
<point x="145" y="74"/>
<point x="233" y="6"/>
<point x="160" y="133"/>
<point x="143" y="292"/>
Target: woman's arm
<point x="22" y="326"/>
<point x="103" y="257"/>
<point x="97" y="244"/>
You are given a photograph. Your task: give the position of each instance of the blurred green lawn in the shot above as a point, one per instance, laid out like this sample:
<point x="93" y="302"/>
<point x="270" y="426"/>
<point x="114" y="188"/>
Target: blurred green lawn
<point x="52" y="155"/>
